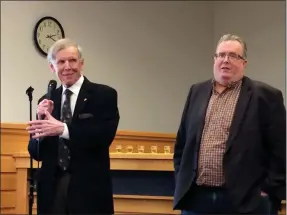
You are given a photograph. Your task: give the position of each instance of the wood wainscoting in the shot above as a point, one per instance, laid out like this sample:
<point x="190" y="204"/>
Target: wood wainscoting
<point x="14" y="139"/>
<point x="161" y="205"/>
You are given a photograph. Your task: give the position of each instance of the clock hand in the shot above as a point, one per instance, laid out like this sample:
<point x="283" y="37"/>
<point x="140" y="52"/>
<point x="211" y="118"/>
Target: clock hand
<point x="50" y="37"/>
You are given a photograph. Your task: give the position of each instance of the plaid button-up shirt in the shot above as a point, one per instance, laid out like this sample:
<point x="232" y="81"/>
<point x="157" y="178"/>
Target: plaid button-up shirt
<point x="215" y="133"/>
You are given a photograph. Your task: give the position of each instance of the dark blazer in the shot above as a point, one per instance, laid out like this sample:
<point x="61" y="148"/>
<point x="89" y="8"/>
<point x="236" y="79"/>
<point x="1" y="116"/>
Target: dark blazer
<point x="254" y="159"/>
<point x="93" y="128"/>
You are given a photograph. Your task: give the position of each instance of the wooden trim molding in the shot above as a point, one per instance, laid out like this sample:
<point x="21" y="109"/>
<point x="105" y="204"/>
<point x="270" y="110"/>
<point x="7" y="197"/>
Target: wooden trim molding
<point x="147" y="161"/>
<point x="14" y="138"/>
<point x="20" y="128"/>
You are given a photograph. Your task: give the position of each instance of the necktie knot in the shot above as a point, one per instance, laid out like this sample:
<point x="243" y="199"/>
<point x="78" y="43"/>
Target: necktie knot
<point x="68" y="93"/>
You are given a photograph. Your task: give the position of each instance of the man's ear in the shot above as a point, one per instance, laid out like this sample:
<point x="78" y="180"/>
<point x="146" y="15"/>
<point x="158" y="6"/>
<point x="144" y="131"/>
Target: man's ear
<point x="245" y="63"/>
<point x="52" y="67"/>
<point x="81" y="64"/>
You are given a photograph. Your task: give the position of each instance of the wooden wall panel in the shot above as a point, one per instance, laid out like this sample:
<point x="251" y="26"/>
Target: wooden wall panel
<point x="7" y="164"/>
<point x="8" y="211"/>
<point x="8" y="181"/>
<point x="14" y="139"/>
<point x="8" y="199"/>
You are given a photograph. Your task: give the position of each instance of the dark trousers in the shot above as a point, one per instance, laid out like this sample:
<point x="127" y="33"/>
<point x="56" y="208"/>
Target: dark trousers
<point x="207" y="201"/>
<point x="60" y="205"/>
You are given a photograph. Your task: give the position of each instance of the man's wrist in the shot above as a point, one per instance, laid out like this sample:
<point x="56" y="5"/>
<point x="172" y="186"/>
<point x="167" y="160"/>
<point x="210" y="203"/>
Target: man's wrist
<point x="62" y="128"/>
<point x="65" y="132"/>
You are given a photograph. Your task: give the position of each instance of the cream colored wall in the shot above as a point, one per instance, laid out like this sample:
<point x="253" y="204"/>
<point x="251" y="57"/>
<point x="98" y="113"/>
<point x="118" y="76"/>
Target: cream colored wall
<point x="262" y="24"/>
<point x="150" y="51"/>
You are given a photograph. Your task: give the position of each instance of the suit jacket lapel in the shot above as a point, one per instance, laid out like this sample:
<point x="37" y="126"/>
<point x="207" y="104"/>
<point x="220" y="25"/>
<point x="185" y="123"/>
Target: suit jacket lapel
<point x="83" y="97"/>
<point x="240" y="111"/>
<point x="204" y="94"/>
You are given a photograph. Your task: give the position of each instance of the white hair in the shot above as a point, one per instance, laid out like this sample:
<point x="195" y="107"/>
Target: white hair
<point x="60" y="45"/>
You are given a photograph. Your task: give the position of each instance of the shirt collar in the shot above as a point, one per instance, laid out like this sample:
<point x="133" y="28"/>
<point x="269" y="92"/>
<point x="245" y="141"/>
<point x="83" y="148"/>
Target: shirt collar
<point x="75" y="88"/>
<point x="231" y="85"/>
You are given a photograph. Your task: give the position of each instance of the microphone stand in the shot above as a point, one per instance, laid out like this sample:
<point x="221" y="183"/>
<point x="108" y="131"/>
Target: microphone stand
<point x="29" y="92"/>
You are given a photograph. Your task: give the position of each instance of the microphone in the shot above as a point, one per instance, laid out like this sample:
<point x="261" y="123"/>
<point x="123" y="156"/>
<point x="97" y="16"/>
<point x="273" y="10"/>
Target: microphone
<point x="51" y="88"/>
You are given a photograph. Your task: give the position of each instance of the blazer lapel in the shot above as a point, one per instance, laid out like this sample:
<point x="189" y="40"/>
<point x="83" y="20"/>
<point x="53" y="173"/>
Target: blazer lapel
<point x="240" y="111"/>
<point x="202" y="107"/>
<point x="83" y="97"/>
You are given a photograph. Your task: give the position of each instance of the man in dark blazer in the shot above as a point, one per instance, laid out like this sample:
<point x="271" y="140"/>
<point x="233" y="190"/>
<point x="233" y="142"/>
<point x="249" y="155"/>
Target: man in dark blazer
<point x="74" y="139"/>
<point x="229" y="155"/>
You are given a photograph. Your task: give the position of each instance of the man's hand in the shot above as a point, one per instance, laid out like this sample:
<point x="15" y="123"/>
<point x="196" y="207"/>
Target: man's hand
<point x="43" y="106"/>
<point x="44" y="128"/>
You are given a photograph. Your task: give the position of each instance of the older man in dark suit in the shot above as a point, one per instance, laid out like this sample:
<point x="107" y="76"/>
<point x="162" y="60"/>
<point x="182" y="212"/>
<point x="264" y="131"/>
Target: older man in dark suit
<point x="80" y="123"/>
<point x="230" y="151"/>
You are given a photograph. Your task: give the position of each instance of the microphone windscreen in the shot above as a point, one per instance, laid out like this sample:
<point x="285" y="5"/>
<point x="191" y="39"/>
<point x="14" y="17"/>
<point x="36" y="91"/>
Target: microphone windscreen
<point x="51" y="87"/>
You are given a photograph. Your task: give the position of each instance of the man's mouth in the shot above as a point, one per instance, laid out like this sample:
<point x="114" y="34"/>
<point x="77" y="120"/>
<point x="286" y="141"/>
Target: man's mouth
<point x="67" y="74"/>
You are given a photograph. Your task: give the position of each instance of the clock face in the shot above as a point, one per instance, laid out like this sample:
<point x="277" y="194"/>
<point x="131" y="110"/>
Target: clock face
<point x="47" y="31"/>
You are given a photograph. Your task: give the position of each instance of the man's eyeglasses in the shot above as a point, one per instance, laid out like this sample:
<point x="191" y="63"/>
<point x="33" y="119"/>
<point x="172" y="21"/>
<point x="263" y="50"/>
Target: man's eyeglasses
<point x="231" y="56"/>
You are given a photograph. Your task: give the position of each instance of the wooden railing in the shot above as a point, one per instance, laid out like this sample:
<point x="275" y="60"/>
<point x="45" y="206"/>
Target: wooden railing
<point x="122" y="203"/>
<point x="14" y="141"/>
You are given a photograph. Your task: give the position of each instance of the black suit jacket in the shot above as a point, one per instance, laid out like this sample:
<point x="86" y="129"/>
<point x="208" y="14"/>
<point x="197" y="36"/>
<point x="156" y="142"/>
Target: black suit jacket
<point x="93" y="128"/>
<point x="254" y="159"/>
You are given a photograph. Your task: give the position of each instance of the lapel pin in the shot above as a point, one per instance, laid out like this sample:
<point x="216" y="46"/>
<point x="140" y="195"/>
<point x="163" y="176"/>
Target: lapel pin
<point x="85" y="99"/>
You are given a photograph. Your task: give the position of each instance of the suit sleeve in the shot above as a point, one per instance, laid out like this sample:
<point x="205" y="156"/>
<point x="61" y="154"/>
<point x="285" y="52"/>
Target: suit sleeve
<point x="181" y="136"/>
<point x="36" y="147"/>
<point x="33" y="149"/>
<point x="101" y="131"/>
<point x="274" y="137"/>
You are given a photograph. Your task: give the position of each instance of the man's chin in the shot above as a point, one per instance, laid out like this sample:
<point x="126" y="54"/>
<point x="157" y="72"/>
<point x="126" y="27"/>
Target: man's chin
<point x="68" y="83"/>
<point x="69" y="80"/>
<point x="224" y="82"/>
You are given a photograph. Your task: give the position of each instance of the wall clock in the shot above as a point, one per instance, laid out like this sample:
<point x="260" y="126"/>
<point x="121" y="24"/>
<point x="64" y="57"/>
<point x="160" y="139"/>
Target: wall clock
<point x="46" y="32"/>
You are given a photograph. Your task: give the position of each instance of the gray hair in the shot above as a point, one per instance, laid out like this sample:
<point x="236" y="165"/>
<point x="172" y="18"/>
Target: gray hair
<point x="60" y="45"/>
<point x="232" y="37"/>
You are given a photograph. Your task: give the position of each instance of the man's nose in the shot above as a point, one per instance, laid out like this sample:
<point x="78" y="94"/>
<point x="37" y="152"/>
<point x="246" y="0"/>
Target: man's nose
<point x="67" y="65"/>
<point x="226" y="59"/>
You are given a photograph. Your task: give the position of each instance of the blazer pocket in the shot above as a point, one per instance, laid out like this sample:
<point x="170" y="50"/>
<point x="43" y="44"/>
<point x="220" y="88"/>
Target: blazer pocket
<point x="85" y="116"/>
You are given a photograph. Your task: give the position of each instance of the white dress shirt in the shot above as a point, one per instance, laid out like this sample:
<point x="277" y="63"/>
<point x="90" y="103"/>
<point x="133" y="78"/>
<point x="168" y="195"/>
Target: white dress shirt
<point x="75" y="89"/>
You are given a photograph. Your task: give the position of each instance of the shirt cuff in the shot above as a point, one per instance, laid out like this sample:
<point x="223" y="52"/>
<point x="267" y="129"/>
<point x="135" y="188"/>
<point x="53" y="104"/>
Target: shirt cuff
<point x="65" y="134"/>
